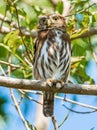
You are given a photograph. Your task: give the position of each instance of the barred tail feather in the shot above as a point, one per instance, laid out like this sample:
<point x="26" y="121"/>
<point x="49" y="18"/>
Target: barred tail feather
<point x="48" y="103"/>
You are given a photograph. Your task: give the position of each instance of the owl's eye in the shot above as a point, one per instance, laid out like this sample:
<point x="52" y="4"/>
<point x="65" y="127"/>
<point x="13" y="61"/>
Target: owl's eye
<point x="43" y="21"/>
<point x="55" y="18"/>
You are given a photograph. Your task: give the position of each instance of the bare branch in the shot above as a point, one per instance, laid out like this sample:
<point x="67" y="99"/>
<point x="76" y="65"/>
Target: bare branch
<point x="87" y="33"/>
<point x="94" y="56"/>
<point x="18" y="110"/>
<point x="42" y="86"/>
<point x="20" y="100"/>
<point x="25" y="32"/>
<point x="2" y="70"/>
<point x="54" y="122"/>
<point x="9" y="64"/>
<point x="77" y="103"/>
<point x="5" y="19"/>
<point x="66" y="9"/>
<point x="30" y="98"/>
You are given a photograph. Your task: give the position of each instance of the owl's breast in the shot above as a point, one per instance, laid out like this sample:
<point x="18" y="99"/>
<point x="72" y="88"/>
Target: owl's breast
<point x="53" y="62"/>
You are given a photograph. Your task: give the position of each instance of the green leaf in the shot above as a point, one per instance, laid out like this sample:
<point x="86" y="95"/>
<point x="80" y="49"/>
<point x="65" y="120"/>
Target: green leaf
<point x="80" y="47"/>
<point x="60" y="7"/>
<point x="27" y="73"/>
<point x="79" y="73"/>
<point x="3" y="52"/>
<point x="95" y="16"/>
<point x="22" y="12"/>
<point x="17" y="56"/>
<point x="18" y="73"/>
<point x="86" y="20"/>
<point x="12" y="40"/>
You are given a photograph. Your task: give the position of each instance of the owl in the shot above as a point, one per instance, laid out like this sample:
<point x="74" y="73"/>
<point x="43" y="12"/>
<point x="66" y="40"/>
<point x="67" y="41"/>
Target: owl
<point x="52" y="55"/>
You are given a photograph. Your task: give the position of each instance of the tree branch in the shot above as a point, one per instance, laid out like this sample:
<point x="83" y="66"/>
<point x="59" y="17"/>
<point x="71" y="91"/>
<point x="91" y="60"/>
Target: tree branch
<point x="25" y="32"/>
<point x="86" y="33"/>
<point x="42" y="86"/>
<point x="77" y="103"/>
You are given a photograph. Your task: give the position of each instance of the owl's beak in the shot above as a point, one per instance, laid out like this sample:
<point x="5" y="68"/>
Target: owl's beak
<point x="49" y="23"/>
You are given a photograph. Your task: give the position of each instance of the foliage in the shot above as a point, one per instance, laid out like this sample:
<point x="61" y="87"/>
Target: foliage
<point x="22" y="14"/>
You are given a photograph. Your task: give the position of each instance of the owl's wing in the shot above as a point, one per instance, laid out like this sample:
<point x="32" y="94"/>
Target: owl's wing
<point x="39" y="43"/>
<point x="66" y="37"/>
<point x="35" y="49"/>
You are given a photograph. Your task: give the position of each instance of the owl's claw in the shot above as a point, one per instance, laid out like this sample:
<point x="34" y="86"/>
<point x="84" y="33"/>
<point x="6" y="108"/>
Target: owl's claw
<point x="49" y="83"/>
<point x="59" y="84"/>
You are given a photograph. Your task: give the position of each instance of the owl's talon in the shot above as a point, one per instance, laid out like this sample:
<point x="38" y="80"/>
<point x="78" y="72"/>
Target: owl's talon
<point x="49" y="83"/>
<point x="59" y="84"/>
<point x="55" y="83"/>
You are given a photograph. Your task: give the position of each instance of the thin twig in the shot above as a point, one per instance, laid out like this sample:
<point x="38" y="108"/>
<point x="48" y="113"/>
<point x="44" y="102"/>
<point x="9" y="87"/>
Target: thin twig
<point x="54" y="122"/>
<point x="9" y="64"/>
<point x="77" y="103"/>
<point x="33" y="92"/>
<point x="94" y="56"/>
<point x="20" y="100"/>
<point x="18" y="110"/>
<point x="79" y="112"/>
<point x="3" y="72"/>
<point x="29" y="63"/>
<point x="3" y="18"/>
<point x="28" y="52"/>
<point x="81" y="11"/>
<point x="14" y="99"/>
<point x="30" y="98"/>
<point x="6" y="72"/>
<point x="92" y="51"/>
<point x="64" y="120"/>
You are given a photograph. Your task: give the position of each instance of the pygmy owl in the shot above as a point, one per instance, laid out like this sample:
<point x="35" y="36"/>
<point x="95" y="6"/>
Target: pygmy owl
<point x="52" y="55"/>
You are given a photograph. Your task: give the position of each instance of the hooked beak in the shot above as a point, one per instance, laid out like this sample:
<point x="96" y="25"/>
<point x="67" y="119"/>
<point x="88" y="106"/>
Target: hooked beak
<point x="49" y="23"/>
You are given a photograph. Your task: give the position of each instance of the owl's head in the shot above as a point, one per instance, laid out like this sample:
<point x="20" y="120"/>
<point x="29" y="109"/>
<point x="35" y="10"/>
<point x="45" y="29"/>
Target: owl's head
<point x="51" y="21"/>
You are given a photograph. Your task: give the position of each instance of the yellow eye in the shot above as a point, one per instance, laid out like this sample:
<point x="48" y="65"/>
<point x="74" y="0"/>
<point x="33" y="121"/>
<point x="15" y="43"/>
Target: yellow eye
<point x="43" y="21"/>
<point x="55" y="18"/>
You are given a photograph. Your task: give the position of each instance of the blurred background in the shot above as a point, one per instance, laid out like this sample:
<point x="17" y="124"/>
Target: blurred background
<point x="18" y="25"/>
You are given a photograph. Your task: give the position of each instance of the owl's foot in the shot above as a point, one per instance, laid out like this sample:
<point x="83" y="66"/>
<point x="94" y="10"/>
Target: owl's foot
<point x="58" y="84"/>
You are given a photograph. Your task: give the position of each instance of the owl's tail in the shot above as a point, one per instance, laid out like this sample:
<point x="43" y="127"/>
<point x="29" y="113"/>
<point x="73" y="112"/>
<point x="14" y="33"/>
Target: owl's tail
<point x="48" y="103"/>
